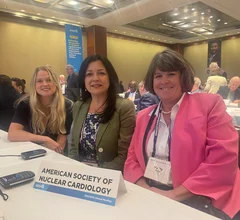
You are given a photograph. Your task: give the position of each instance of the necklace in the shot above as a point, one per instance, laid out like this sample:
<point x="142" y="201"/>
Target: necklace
<point x="97" y="110"/>
<point x="166" y="113"/>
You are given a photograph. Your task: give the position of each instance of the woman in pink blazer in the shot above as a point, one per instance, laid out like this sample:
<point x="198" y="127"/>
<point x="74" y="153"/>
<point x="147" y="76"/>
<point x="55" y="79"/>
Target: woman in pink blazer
<point x="185" y="148"/>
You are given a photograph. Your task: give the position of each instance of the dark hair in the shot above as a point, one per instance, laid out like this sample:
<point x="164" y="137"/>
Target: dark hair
<point x="168" y="61"/>
<point x="113" y="87"/>
<point x="214" y="41"/>
<point x="19" y="82"/>
<point x="5" y="80"/>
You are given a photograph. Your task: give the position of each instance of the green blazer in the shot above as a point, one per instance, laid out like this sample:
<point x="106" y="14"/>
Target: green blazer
<point x="113" y="138"/>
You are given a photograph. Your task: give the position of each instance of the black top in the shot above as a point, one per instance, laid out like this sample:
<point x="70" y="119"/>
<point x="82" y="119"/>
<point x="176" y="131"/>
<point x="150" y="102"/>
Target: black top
<point x="8" y="95"/>
<point x="23" y="116"/>
<point x="72" y="91"/>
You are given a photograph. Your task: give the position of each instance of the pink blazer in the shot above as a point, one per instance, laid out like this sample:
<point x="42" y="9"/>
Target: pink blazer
<point x="204" y="151"/>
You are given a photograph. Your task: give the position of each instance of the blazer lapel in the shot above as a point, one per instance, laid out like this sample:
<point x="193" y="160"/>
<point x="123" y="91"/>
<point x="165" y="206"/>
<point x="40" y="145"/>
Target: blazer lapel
<point x="81" y="116"/>
<point x="101" y="130"/>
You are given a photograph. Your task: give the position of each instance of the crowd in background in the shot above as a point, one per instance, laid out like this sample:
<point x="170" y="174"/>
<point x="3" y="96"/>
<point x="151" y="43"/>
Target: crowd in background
<point x="169" y="118"/>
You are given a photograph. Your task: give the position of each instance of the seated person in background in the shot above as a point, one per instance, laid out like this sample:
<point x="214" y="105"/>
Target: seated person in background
<point x="72" y="90"/>
<point x="188" y="138"/>
<point x="147" y="99"/>
<point x="19" y="85"/>
<point x="121" y="87"/>
<point x="103" y="123"/>
<point x="133" y="94"/>
<point x="231" y="92"/>
<point x="215" y="80"/>
<point x="43" y="116"/>
<point x="196" y="86"/>
<point x="8" y="95"/>
<point x="63" y="83"/>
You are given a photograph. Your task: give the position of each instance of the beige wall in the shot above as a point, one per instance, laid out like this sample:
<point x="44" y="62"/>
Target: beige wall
<point x="25" y="44"/>
<point x="231" y="57"/>
<point x="130" y="59"/>
<point x="197" y="56"/>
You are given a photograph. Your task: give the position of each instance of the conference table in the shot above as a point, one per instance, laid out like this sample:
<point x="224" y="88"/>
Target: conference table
<point x="27" y="203"/>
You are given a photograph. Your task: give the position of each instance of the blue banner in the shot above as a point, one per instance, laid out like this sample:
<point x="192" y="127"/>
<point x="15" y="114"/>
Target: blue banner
<point x="74" y="46"/>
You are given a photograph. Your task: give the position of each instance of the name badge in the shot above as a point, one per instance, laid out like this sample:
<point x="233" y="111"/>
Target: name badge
<point x="158" y="170"/>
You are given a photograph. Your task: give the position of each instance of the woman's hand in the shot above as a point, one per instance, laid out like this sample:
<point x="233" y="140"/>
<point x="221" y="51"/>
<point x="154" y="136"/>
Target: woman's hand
<point x="53" y="145"/>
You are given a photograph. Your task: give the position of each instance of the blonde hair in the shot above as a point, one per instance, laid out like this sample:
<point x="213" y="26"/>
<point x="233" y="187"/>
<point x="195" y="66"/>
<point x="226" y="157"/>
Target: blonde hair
<point x="197" y="81"/>
<point x="214" y="68"/>
<point x="54" y="119"/>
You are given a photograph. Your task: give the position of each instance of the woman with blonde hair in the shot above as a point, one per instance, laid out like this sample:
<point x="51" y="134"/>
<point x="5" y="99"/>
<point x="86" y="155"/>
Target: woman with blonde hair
<point x="215" y="80"/>
<point x="43" y="116"/>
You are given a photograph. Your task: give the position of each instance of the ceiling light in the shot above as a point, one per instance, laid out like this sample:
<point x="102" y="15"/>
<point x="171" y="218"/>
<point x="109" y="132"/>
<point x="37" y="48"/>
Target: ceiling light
<point x="95" y="7"/>
<point x="124" y="32"/>
<point x="175" y="14"/>
<point x="166" y="25"/>
<point x="174" y="22"/>
<point x="35" y="18"/>
<point x="193" y="9"/>
<point x="132" y="34"/>
<point x="139" y="35"/>
<point x="218" y="19"/>
<point x="185" y="25"/>
<point x="226" y="34"/>
<point x="38" y="14"/>
<point x="238" y="32"/>
<point x="79" y="22"/>
<point x="195" y="21"/>
<point x="153" y="38"/>
<point x="211" y="16"/>
<point x="22" y="10"/>
<point x="72" y="3"/>
<point x="49" y="20"/>
<point x="165" y="40"/>
<point x="19" y="14"/>
<point x="202" y="13"/>
<point x="199" y="30"/>
<point x="185" y="17"/>
<point x="225" y="23"/>
<point x="146" y="36"/>
<point x="53" y="17"/>
<point x="189" y="41"/>
<point x="110" y="1"/>
<point x="115" y="30"/>
<point x="208" y="33"/>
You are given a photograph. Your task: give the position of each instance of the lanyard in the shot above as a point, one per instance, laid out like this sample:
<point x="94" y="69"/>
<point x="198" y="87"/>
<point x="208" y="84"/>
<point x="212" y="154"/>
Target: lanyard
<point x="156" y="130"/>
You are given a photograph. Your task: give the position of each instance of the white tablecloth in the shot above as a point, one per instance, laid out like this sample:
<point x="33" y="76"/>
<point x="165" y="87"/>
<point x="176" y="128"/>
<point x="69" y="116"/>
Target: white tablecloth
<point x="26" y="203"/>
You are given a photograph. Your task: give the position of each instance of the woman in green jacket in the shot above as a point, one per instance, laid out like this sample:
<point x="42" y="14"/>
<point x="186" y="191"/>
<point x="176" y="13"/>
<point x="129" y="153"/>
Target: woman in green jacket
<point x="103" y="122"/>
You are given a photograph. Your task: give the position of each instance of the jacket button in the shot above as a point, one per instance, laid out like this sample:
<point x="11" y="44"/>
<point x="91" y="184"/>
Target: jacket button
<point x="100" y="150"/>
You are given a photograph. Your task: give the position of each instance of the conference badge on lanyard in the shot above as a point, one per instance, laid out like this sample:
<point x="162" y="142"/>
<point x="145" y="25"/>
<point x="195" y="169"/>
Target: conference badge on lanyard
<point x="158" y="170"/>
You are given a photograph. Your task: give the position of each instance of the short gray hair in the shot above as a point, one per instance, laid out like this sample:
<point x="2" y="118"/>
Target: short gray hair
<point x="69" y="66"/>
